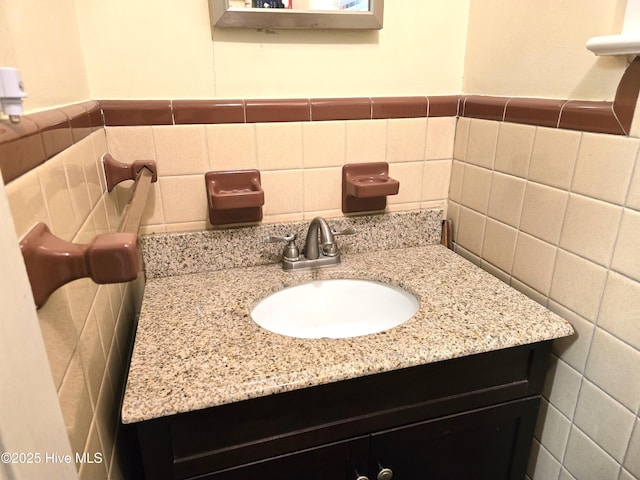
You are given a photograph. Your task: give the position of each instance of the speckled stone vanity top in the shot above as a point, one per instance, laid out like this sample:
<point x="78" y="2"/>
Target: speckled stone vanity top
<point x="196" y="345"/>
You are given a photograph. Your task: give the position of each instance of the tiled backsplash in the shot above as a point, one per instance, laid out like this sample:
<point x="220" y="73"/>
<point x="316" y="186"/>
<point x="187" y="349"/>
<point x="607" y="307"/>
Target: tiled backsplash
<point x="556" y="214"/>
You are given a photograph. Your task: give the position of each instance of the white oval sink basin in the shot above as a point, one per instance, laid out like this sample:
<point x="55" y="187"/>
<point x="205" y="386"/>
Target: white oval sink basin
<point x="338" y="308"/>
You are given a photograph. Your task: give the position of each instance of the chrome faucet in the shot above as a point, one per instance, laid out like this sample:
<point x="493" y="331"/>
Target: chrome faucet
<point x="321" y="249"/>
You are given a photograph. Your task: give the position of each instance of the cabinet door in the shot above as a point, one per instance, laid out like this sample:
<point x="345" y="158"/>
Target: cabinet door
<point x="490" y="443"/>
<point x="336" y="461"/>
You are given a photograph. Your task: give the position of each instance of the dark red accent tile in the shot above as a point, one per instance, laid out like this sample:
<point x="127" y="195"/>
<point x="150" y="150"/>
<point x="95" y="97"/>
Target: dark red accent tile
<point x="590" y="117"/>
<point x="136" y="112"/>
<point x="624" y="105"/>
<point x="444" y="106"/>
<point x="488" y="108"/>
<point x="291" y="110"/>
<point x="340" y="109"/>
<point x="534" y="111"/>
<point x="207" y="111"/>
<point x="399" y="107"/>
<point x="21" y="148"/>
<point x="79" y="121"/>
<point x="95" y="114"/>
<point x="54" y="129"/>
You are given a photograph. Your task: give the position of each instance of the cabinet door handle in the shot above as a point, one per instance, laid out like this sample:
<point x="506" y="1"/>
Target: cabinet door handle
<point x="385" y="474"/>
<point x="362" y="477"/>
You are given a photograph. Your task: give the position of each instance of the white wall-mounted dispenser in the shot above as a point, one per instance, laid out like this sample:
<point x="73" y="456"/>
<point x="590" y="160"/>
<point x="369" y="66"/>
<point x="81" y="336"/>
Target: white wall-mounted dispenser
<point x="11" y="93"/>
<point x="625" y="43"/>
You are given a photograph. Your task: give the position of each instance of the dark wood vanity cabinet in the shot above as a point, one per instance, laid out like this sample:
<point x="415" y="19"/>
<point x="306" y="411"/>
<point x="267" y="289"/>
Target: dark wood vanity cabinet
<point x="466" y="418"/>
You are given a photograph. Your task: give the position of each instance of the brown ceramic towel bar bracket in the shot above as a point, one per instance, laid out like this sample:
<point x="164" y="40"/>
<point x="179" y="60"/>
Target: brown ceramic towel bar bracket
<point x="365" y="186"/>
<point x="234" y="196"/>
<point x="52" y="262"/>
<point x="116" y="172"/>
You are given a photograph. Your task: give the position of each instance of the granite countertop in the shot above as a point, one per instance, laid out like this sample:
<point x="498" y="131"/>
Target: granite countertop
<point x="196" y="345"/>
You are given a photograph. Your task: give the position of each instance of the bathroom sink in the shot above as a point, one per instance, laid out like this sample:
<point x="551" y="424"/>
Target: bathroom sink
<point x="337" y="308"/>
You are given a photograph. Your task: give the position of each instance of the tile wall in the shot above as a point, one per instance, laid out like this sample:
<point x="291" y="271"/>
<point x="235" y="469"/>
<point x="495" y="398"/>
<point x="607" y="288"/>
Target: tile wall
<point x="87" y="328"/>
<point x="556" y="214"/>
<point x="300" y="164"/>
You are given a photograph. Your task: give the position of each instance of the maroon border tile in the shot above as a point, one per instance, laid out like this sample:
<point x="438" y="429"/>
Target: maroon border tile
<point x="624" y="104"/>
<point x="590" y="117"/>
<point x="187" y="112"/>
<point x="444" y="106"/>
<point x="79" y="121"/>
<point x="21" y="148"/>
<point x="54" y="129"/>
<point x="95" y="114"/>
<point x="399" y="107"/>
<point x="287" y="110"/>
<point x="340" y="109"/>
<point x="534" y="111"/>
<point x="486" y="107"/>
<point x="136" y="112"/>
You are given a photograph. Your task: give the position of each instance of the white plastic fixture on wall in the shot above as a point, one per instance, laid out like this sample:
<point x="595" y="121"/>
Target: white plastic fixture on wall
<point x="625" y="43"/>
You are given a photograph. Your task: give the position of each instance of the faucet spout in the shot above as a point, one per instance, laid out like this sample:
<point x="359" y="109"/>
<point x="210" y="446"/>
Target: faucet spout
<point x="326" y="242"/>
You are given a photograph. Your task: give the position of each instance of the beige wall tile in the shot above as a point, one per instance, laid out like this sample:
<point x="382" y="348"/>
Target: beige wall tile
<point x="632" y="461"/>
<point x="76" y="405"/>
<point x="604" y="166"/>
<point x="72" y="159"/>
<point x="184" y="199"/>
<point x="513" y="151"/>
<point x="476" y="188"/>
<point x="410" y="177"/>
<point x="533" y="262"/>
<point x="461" y="138"/>
<point x="506" y="198"/>
<point x="181" y="149"/>
<point x="578" y="284"/>
<point x="528" y="291"/>
<point x="435" y="181"/>
<point x="562" y="387"/>
<point x="406" y="139"/>
<point x="322" y="188"/>
<point x="366" y="141"/>
<point x="552" y="429"/>
<point x="457" y="177"/>
<point x="543" y="212"/>
<point x="103" y="313"/>
<point x="153" y="212"/>
<point x="464" y="253"/>
<point x="575" y="348"/>
<point x="440" y="138"/>
<point x="99" y="142"/>
<point x="184" y="227"/>
<point x="283" y="192"/>
<point x="92" y="357"/>
<point x="590" y="228"/>
<point x="93" y="470"/>
<point x="620" y="309"/>
<point x="127" y="144"/>
<point x="26" y="202"/>
<point x="496" y="272"/>
<point x="103" y="417"/>
<point x="279" y="145"/>
<point x="613" y="366"/>
<point x="232" y="146"/>
<point x="58" y="332"/>
<point x="481" y="145"/>
<point x="542" y="465"/>
<point x="93" y="169"/>
<point x="499" y="244"/>
<point x="324" y="144"/>
<point x="470" y="230"/>
<point x="53" y="182"/>
<point x="625" y="256"/>
<point x="554" y="156"/>
<point x="604" y="420"/>
<point x="584" y="459"/>
<point x="633" y="197"/>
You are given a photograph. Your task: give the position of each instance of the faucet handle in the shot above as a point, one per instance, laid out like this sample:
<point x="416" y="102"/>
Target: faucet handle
<point x="290" y="251"/>
<point x="346" y="231"/>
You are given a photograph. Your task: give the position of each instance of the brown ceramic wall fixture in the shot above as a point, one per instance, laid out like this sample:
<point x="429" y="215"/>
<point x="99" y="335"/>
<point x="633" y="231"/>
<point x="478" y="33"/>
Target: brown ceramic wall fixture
<point x="365" y="187"/>
<point x="234" y="196"/>
<point x="116" y="172"/>
<point x="39" y="136"/>
<point x="52" y="262"/>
